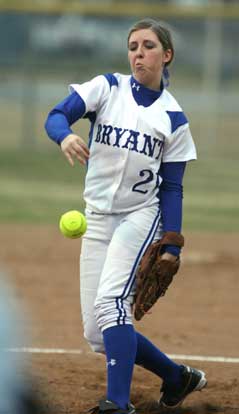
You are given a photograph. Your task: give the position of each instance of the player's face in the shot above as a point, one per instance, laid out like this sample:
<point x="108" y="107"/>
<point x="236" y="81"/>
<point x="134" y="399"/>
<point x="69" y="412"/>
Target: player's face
<point x="147" y="57"/>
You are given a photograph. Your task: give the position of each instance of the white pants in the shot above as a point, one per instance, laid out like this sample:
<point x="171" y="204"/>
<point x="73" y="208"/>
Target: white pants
<point x="111" y="251"/>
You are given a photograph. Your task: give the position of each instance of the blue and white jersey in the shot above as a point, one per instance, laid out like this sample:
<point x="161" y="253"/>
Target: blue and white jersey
<point x="134" y="129"/>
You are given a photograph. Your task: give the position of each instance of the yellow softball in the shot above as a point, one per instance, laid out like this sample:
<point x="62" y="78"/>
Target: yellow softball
<point x="73" y="224"/>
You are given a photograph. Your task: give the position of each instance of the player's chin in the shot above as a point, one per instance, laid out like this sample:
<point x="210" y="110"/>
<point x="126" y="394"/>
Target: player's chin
<point x="141" y="75"/>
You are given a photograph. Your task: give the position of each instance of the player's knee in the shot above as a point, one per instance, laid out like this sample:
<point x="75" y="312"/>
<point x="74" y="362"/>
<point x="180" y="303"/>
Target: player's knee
<point x="95" y="340"/>
<point x="113" y="311"/>
<point x="97" y="347"/>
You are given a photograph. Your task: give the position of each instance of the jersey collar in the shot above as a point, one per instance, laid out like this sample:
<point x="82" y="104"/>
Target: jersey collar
<point x="142" y="95"/>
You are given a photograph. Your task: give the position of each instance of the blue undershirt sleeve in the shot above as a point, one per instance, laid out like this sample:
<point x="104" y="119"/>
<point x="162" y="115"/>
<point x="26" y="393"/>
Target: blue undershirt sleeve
<point x="63" y="115"/>
<point x="171" y="195"/>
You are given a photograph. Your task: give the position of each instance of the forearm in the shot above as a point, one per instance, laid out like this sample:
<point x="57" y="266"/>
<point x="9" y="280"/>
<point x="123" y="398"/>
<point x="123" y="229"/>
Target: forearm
<point x="63" y="116"/>
<point x="57" y="126"/>
<point x="171" y="198"/>
<point x="171" y="208"/>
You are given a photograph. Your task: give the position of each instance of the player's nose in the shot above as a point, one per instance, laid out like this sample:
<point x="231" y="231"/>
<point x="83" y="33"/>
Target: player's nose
<point x="139" y="52"/>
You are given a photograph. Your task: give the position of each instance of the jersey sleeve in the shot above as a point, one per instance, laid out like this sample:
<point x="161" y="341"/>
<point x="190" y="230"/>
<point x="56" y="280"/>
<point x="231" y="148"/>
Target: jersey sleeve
<point x="179" y="145"/>
<point x="93" y="93"/>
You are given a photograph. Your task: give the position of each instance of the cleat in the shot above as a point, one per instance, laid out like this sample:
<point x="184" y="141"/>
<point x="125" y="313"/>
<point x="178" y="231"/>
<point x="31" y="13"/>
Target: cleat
<point x="192" y="380"/>
<point x="109" y="407"/>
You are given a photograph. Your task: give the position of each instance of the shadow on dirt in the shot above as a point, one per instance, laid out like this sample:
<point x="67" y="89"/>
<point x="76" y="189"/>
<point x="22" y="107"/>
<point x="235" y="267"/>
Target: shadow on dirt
<point x="153" y="408"/>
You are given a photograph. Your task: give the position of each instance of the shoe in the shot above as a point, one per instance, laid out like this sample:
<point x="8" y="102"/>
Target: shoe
<point x="109" y="407"/>
<point x="192" y="380"/>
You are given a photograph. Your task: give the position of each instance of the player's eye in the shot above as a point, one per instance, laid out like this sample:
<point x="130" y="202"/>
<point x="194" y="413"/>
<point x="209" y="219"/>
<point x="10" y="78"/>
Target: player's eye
<point x="149" y="45"/>
<point x="132" y="46"/>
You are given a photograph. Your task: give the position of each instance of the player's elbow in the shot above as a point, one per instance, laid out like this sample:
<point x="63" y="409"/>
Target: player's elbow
<point x="49" y="127"/>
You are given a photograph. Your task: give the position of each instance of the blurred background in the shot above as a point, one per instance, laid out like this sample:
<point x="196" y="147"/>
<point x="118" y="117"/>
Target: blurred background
<point x="47" y="44"/>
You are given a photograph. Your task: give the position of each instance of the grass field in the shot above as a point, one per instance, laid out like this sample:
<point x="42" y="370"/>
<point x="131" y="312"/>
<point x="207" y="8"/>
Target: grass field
<point x="38" y="186"/>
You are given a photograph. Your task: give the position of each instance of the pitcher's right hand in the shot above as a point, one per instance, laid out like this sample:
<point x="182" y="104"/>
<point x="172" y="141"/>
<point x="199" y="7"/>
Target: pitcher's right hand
<point x="74" y="146"/>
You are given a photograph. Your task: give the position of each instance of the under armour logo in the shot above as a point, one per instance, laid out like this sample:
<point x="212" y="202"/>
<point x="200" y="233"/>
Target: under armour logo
<point x="137" y="87"/>
<point x="112" y="362"/>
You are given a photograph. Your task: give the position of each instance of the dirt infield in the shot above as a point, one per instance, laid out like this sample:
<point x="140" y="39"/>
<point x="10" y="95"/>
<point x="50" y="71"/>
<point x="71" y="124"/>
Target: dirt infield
<point x="198" y="316"/>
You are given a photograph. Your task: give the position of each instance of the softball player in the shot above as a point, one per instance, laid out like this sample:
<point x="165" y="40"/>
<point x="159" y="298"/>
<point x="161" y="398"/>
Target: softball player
<point x="139" y="144"/>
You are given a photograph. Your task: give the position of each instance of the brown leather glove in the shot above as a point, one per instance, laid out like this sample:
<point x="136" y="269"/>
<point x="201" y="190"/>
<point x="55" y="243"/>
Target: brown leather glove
<point x="155" y="274"/>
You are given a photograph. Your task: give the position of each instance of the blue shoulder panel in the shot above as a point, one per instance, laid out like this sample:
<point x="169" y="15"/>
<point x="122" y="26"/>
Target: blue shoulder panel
<point x="177" y="119"/>
<point x="111" y="79"/>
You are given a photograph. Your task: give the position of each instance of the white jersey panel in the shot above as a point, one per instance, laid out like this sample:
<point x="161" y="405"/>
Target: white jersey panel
<point x="179" y="146"/>
<point x="93" y="92"/>
<point x="117" y="134"/>
<point x="168" y="102"/>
